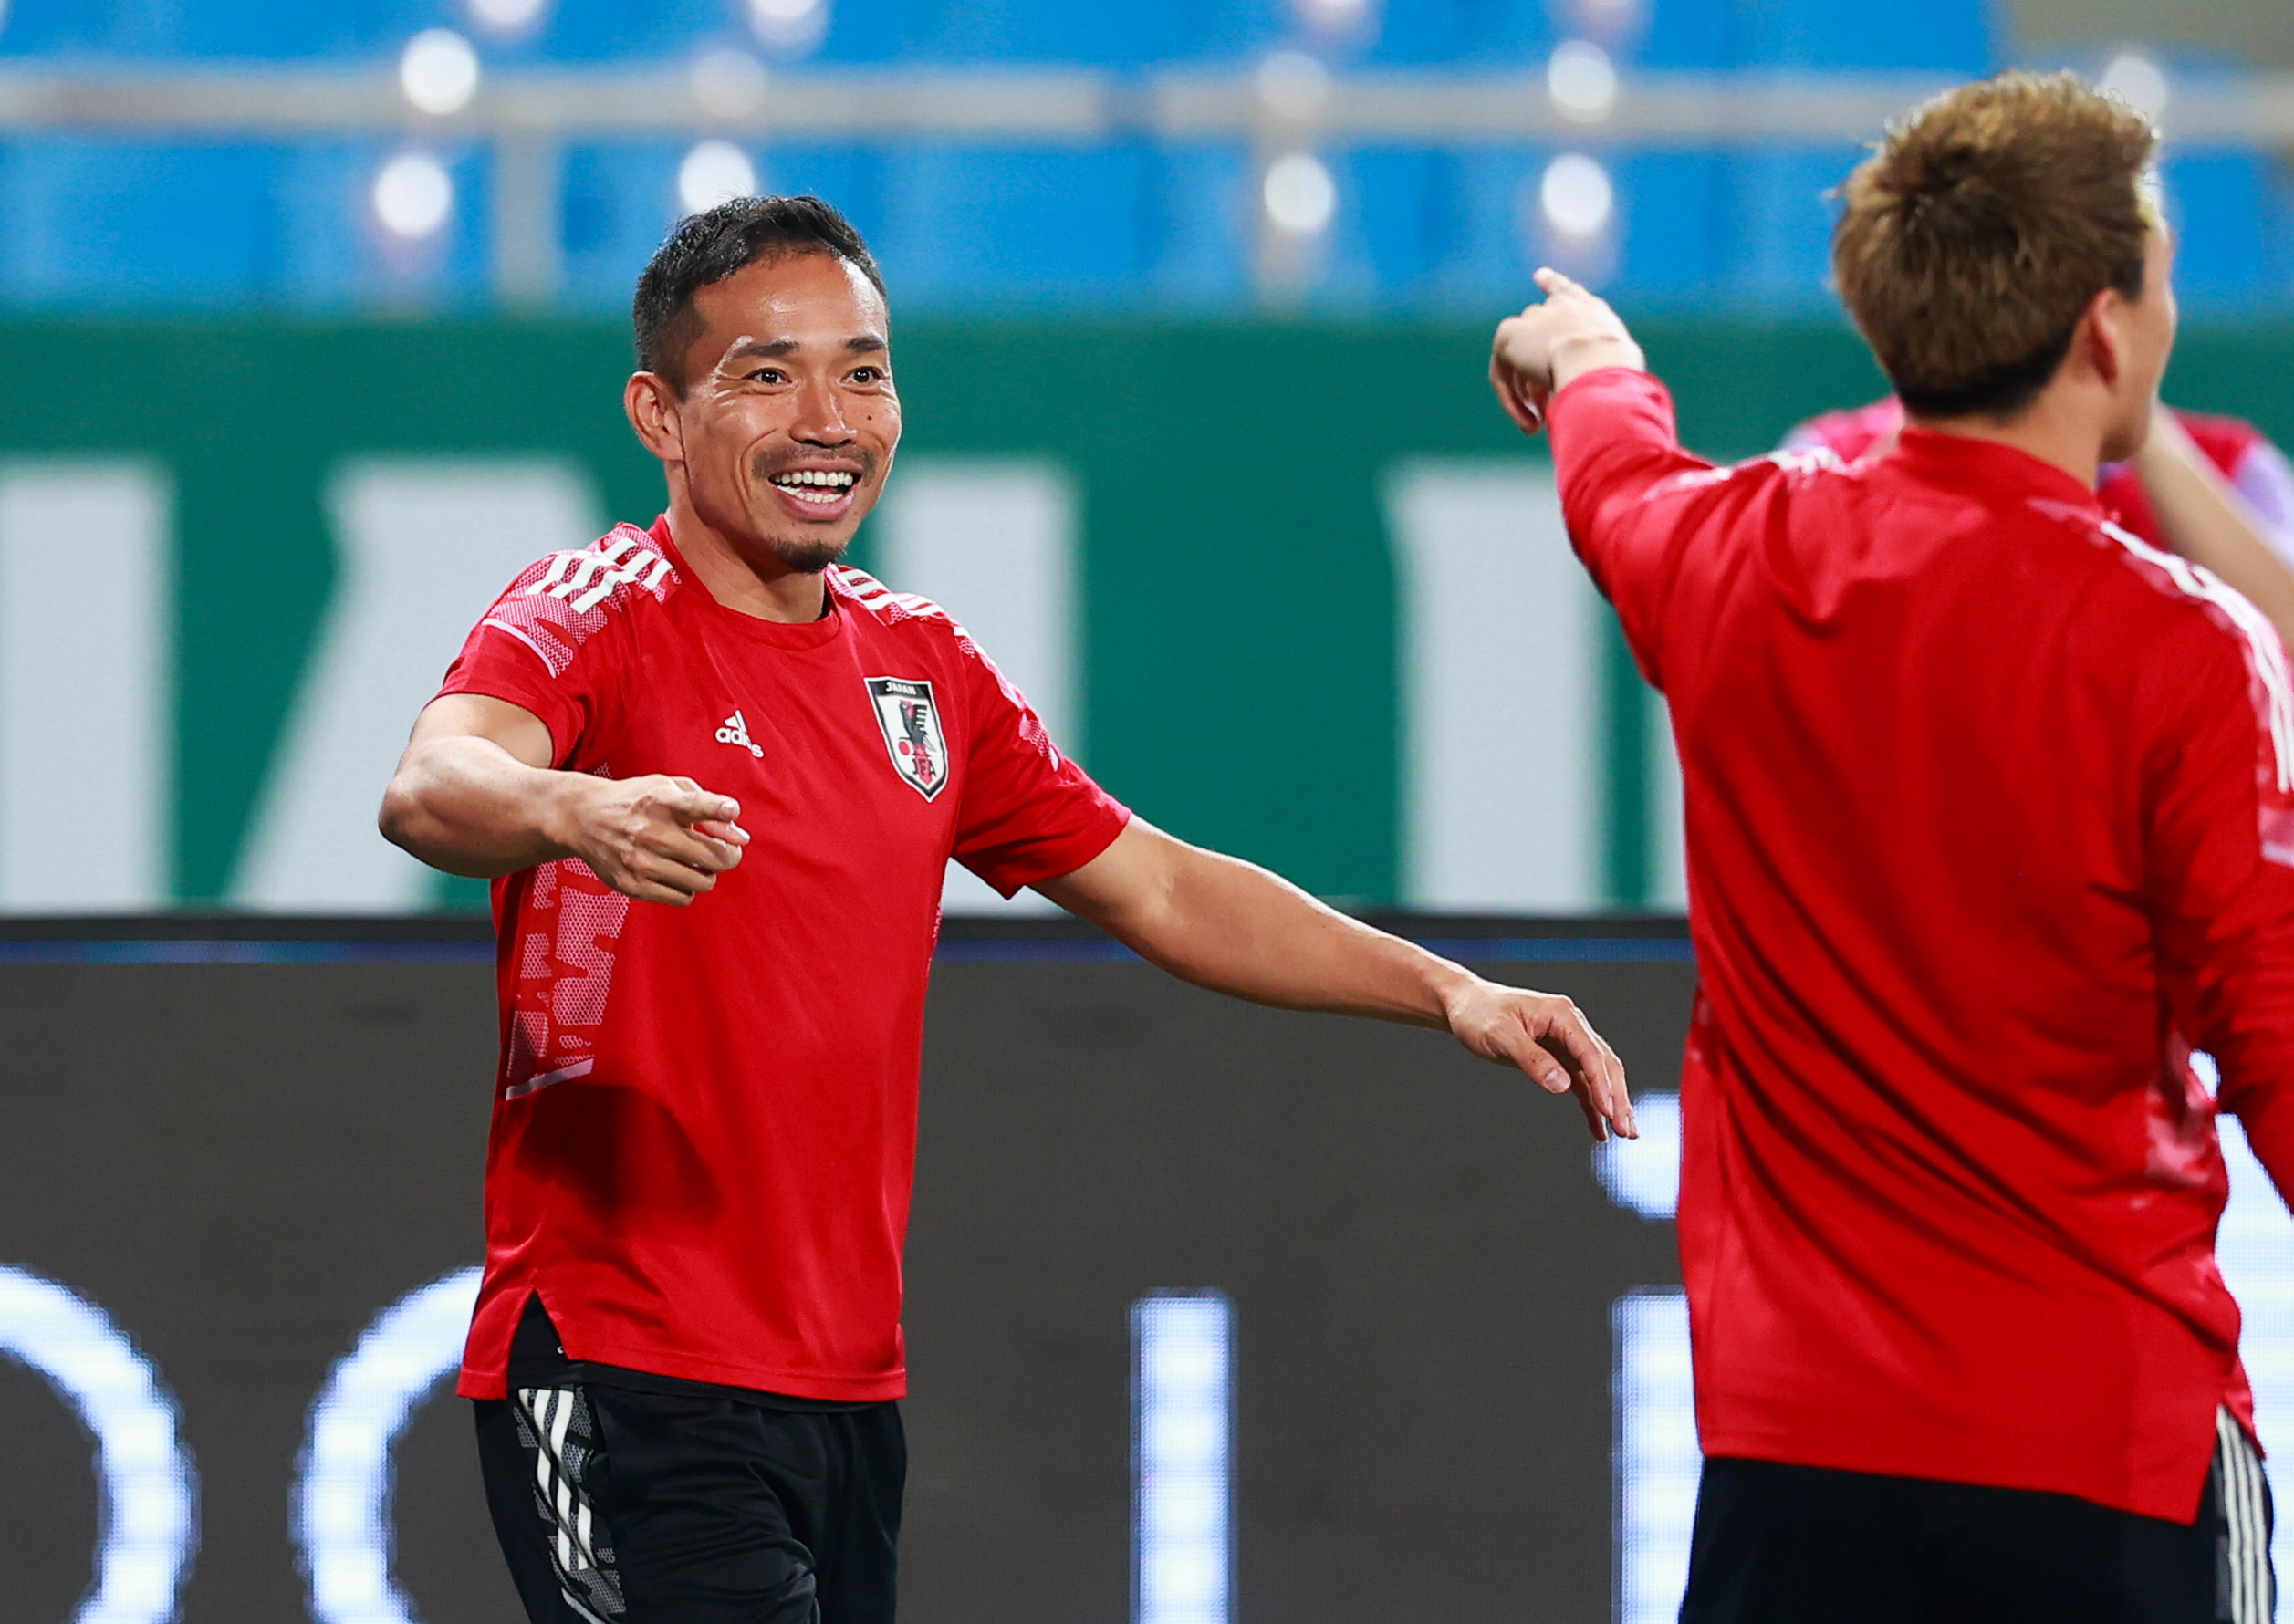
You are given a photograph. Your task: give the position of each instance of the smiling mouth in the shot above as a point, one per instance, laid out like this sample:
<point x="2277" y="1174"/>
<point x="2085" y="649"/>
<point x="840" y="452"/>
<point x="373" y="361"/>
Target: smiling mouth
<point x="821" y="487"/>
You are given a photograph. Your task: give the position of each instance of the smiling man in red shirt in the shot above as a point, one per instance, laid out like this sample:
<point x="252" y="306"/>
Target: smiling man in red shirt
<point x="687" y="1347"/>
<point x="1990" y="820"/>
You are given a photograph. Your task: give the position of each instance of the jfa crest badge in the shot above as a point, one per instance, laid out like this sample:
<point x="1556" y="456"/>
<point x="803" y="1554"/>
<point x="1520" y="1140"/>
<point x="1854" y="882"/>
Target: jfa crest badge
<point x="911" y="725"/>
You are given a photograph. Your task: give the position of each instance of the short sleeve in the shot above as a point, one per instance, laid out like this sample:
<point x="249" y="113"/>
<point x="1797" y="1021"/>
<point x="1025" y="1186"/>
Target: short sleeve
<point x="555" y="643"/>
<point x="1029" y="813"/>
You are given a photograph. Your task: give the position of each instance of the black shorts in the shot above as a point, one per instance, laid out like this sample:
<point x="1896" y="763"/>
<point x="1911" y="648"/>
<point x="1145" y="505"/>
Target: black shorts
<point x="1803" y="1545"/>
<point x="616" y="1506"/>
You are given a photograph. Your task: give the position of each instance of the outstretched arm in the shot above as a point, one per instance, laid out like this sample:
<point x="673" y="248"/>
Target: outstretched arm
<point x="1570" y="364"/>
<point x="475" y="794"/>
<point x="1234" y="928"/>
<point x="1571" y="333"/>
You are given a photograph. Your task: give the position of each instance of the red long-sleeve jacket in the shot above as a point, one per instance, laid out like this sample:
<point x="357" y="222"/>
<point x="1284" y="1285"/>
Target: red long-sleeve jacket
<point x="1990" y="823"/>
<point x="2239" y="451"/>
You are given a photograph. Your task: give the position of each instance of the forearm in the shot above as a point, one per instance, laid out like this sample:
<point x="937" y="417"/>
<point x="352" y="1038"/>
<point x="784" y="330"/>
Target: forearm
<point x="1618" y="464"/>
<point x="2203" y="518"/>
<point x="1232" y="927"/>
<point x="1236" y="929"/>
<point x="1573" y="358"/>
<point x="469" y="806"/>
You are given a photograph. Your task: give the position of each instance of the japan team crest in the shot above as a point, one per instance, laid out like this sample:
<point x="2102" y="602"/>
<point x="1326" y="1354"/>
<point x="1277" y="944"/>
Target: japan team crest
<point x="911" y="725"/>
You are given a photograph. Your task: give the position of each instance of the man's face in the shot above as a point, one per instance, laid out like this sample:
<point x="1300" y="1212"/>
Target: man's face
<point x="790" y="420"/>
<point x="2146" y="334"/>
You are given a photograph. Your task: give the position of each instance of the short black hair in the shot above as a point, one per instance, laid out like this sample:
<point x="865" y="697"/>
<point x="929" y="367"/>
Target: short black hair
<point x="707" y="247"/>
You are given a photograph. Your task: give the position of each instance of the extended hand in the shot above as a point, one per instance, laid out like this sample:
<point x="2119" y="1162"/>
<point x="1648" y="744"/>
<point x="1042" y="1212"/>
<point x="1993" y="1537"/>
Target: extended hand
<point x="1535" y="353"/>
<point x="2166" y="442"/>
<point x="657" y="838"/>
<point x="1547" y="1037"/>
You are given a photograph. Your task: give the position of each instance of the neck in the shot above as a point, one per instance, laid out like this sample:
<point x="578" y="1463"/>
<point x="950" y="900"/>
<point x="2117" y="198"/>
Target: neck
<point x="2058" y="438"/>
<point x="749" y="580"/>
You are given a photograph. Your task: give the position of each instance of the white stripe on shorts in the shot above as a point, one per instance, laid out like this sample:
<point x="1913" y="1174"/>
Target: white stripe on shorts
<point x="2253" y="1587"/>
<point x="585" y="1576"/>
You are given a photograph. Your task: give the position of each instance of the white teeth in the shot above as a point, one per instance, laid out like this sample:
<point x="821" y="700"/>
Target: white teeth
<point x="818" y="487"/>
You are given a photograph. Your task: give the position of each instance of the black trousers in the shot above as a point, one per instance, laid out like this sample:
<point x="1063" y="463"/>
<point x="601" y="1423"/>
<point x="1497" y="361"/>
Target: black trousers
<point x="1803" y="1545"/>
<point x="622" y="1507"/>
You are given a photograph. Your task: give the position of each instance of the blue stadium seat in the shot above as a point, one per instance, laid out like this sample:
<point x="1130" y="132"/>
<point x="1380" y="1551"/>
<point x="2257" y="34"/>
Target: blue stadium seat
<point x="1936" y="35"/>
<point x="2230" y="211"/>
<point x="1131" y="223"/>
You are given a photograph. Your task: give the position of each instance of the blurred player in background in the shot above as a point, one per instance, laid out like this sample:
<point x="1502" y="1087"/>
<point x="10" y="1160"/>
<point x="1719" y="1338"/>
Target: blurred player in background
<point x="1990" y="818"/>
<point x="2213" y="489"/>
<point x="717" y="778"/>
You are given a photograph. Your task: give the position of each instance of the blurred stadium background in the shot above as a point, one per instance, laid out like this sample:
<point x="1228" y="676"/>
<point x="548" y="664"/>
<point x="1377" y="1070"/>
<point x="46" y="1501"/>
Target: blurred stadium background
<point x="314" y="313"/>
<point x="313" y="318"/>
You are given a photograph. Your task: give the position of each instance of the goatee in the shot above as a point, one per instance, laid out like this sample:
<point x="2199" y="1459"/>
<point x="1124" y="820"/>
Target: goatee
<point x="804" y="556"/>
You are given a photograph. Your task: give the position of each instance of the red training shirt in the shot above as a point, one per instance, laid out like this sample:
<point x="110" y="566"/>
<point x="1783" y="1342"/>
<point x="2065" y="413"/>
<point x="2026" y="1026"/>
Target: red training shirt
<point x="2241" y="453"/>
<point x="704" y="1123"/>
<point x="1990" y="820"/>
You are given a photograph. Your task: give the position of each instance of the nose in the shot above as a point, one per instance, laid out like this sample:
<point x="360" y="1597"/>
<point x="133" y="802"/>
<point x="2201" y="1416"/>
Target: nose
<point x="820" y="417"/>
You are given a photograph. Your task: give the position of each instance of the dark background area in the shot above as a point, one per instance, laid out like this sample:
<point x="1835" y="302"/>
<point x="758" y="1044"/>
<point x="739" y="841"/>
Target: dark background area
<point x="245" y="1164"/>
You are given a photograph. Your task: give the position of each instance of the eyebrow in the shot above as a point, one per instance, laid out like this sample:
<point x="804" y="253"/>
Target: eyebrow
<point x="860" y="344"/>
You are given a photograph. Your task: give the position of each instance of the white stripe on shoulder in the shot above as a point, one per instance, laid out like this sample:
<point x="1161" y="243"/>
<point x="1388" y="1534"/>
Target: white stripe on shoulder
<point x="873" y="594"/>
<point x="860" y="584"/>
<point x="923" y="609"/>
<point x="2266" y="655"/>
<point x="587" y="576"/>
<point x="1788" y="462"/>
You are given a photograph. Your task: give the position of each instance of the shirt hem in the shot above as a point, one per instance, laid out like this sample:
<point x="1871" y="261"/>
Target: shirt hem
<point x="493" y="1380"/>
<point x="2151" y="1498"/>
<point x="561" y="744"/>
<point x="1063" y="860"/>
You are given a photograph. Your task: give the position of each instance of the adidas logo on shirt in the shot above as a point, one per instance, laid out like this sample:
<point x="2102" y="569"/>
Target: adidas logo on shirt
<point x="736" y="730"/>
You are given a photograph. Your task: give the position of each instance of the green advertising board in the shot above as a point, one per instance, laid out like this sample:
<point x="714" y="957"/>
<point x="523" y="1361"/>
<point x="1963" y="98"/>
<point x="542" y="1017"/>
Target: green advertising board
<point x="1297" y="589"/>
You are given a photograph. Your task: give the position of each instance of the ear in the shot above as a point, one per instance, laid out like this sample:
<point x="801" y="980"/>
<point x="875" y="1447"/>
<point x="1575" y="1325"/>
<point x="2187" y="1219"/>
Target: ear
<point x="652" y="405"/>
<point x="2099" y="335"/>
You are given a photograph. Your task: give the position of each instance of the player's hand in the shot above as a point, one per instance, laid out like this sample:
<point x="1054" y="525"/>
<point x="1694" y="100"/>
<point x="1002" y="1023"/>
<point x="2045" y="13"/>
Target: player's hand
<point x="1550" y="1039"/>
<point x="2165" y="441"/>
<point x="657" y="838"/>
<point x="1573" y="330"/>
